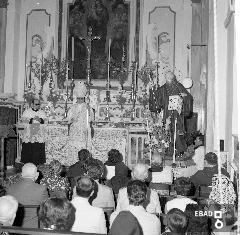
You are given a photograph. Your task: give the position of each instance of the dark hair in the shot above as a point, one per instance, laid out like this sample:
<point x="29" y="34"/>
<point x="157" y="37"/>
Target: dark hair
<point x="84" y="155"/>
<point x="137" y="192"/>
<point x="55" y="166"/>
<point x="95" y="170"/>
<point x="84" y="186"/>
<point x="177" y="221"/>
<point x="200" y="136"/>
<point x="58" y="212"/>
<point x="211" y="158"/>
<point x="197" y="224"/>
<point x="114" y="157"/>
<point x="183" y="186"/>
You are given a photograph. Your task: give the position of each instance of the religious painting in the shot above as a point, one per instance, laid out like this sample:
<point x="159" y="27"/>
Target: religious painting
<point x="97" y="35"/>
<point x="37" y="34"/>
<point x="161" y="39"/>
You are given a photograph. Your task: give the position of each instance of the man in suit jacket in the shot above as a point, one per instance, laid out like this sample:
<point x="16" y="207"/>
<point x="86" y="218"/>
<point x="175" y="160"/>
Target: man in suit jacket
<point x="88" y="219"/>
<point x="204" y="177"/>
<point x="79" y="168"/>
<point x="27" y="192"/>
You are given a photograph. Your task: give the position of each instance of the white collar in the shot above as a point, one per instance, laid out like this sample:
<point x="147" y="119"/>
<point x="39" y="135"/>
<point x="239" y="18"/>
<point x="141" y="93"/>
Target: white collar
<point x="136" y="208"/>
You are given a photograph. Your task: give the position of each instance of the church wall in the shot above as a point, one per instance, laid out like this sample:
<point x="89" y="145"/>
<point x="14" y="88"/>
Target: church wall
<point x="16" y="40"/>
<point x="222" y="8"/>
<point x="182" y="33"/>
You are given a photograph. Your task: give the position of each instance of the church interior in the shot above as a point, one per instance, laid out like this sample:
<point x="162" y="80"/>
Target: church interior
<point x="128" y="84"/>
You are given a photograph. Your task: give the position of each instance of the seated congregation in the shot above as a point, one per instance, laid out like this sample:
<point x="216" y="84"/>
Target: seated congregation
<point x="95" y="198"/>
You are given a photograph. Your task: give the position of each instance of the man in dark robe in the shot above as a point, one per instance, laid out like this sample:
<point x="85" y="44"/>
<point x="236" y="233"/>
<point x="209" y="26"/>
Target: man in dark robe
<point x="176" y="103"/>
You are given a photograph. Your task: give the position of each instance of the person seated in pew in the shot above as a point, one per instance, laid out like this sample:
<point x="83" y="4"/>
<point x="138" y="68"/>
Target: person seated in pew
<point x="58" y="186"/>
<point x="160" y="177"/>
<point x="115" y="164"/>
<point x="183" y="188"/>
<point x="176" y="222"/>
<point x="152" y="203"/>
<point x="79" y="168"/>
<point x="8" y="210"/>
<point x="88" y="219"/>
<point x="150" y="224"/>
<point x="57" y="214"/>
<point x="28" y="193"/>
<point x="103" y="194"/>
<point x="204" y="177"/>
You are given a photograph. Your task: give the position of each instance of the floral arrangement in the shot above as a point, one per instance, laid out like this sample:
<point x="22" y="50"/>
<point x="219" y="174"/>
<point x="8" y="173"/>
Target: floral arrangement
<point x="121" y="99"/>
<point x="29" y="95"/>
<point x="158" y="137"/>
<point x="54" y="97"/>
<point x="120" y="73"/>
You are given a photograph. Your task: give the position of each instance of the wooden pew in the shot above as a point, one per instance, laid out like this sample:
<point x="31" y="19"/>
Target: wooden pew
<point x="34" y="231"/>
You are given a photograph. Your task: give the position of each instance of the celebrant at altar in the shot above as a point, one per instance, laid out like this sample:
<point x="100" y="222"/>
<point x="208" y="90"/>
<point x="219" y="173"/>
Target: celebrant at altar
<point x="176" y="103"/>
<point x="34" y="152"/>
<point x="80" y="116"/>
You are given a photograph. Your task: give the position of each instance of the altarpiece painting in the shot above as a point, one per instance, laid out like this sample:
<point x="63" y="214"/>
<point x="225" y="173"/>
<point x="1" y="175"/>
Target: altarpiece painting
<point x="108" y="21"/>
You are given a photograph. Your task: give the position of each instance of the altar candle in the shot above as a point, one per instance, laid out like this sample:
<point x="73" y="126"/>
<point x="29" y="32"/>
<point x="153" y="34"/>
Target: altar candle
<point x="109" y="59"/>
<point x="136" y="82"/>
<point x="109" y="49"/>
<point x="72" y="48"/>
<point x="174" y="141"/>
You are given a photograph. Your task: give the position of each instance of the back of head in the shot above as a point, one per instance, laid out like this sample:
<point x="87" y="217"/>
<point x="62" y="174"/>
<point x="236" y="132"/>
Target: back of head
<point x="55" y="166"/>
<point x="140" y="172"/>
<point x="95" y="170"/>
<point x="84" y="155"/>
<point x="57" y="214"/>
<point x="114" y="157"/>
<point x="8" y="209"/>
<point x="29" y="170"/>
<point x="84" y="186"/>
<point x="137" y="192"/>
<point x="196" y="224"/>
<point x="211" y="158"/>
<point x="183" y="186"/>
<point x="177" y="221"/>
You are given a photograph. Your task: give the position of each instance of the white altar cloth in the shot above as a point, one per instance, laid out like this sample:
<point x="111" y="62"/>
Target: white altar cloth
<point x="60" y="146"/>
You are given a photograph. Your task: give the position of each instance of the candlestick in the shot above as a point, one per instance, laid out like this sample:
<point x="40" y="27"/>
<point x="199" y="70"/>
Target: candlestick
<point x="174" y="141"/>
<point x="109" y="59"/>
<point x="72" y="48"/>
<point x="109" y="49"/>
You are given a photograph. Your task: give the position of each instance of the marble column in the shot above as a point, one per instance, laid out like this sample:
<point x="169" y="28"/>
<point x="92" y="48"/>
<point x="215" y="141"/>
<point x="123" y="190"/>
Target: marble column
<point x="3" y="23"/>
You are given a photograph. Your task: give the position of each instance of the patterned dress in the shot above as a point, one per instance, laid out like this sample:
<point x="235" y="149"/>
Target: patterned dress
<point x="57" y="185"/>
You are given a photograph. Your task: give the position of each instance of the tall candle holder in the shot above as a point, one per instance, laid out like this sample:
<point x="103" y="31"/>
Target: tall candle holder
<point x="72" y="84"/>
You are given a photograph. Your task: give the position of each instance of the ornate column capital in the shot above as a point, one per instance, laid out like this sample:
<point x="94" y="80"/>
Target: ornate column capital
<point x="3" y="3"/>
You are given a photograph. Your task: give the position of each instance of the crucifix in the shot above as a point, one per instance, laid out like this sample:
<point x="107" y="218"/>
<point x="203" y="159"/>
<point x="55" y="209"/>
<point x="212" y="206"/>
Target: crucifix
<point x="88" y="43"/>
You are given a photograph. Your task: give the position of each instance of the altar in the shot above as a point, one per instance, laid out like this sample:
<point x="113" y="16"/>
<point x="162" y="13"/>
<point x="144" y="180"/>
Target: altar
<point x="60" y="146"/>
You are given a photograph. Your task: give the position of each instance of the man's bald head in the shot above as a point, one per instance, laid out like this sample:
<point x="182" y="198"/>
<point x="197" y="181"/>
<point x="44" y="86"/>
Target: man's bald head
<point x="140" y="172"/>
<point x="29" y="170"/>
<point x="8" y="209"/>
